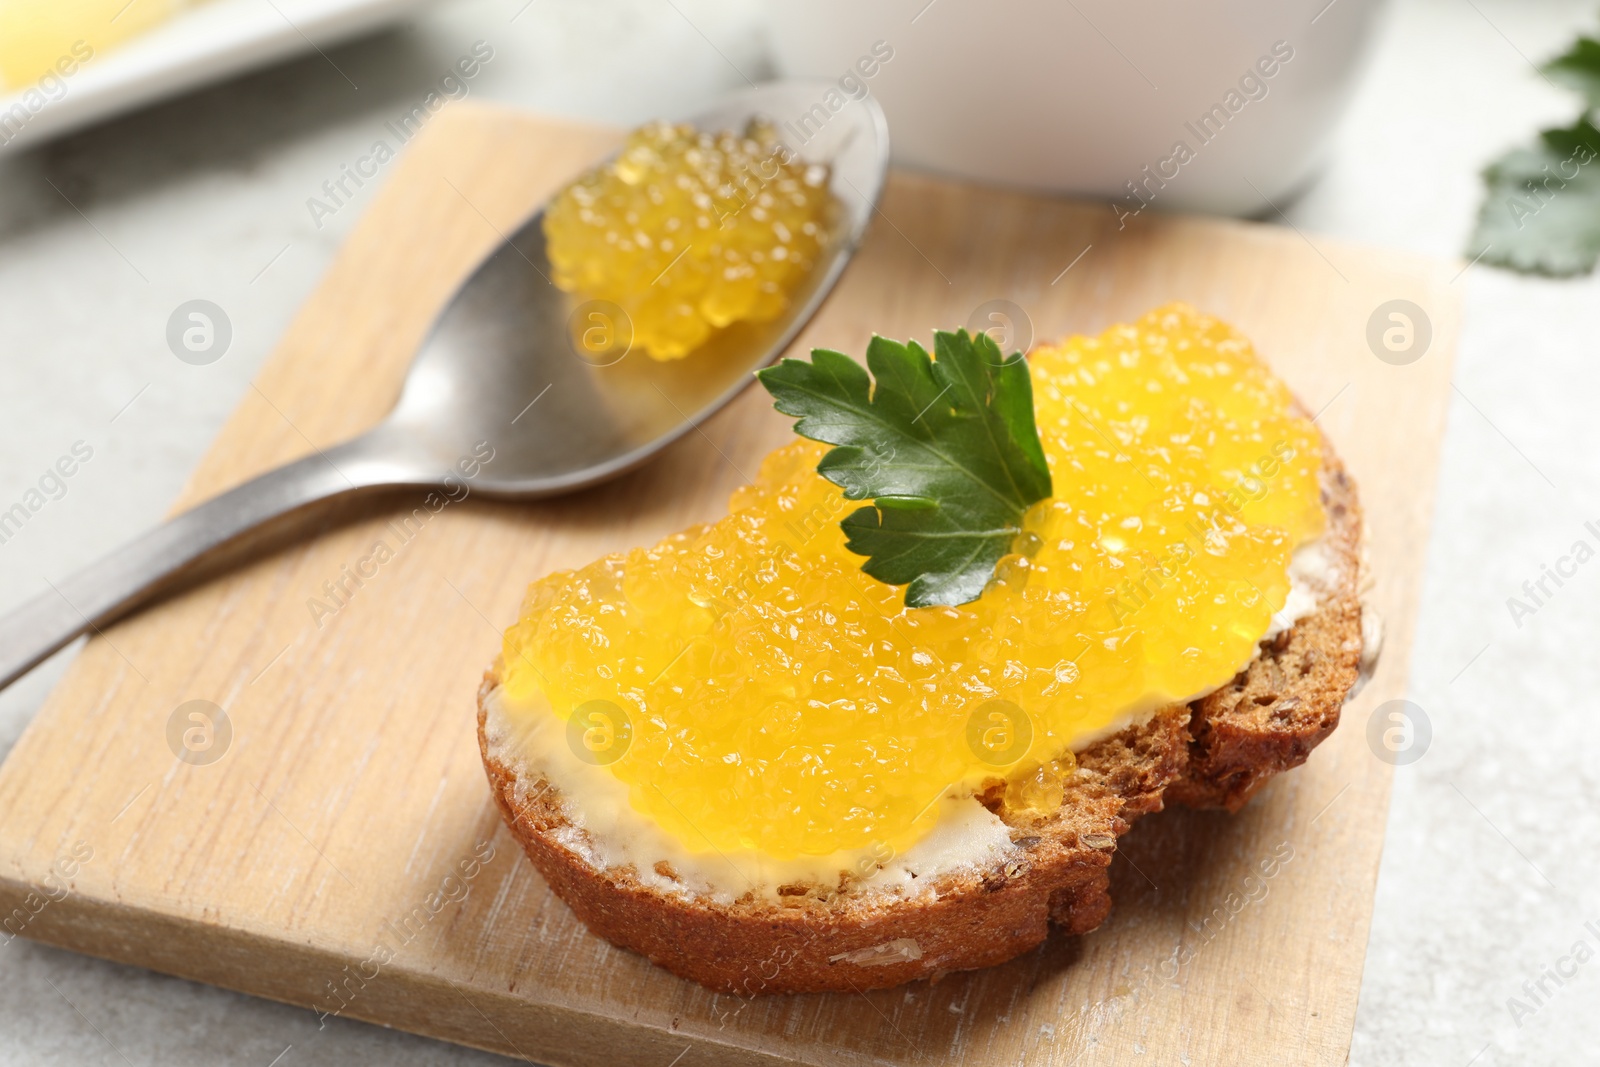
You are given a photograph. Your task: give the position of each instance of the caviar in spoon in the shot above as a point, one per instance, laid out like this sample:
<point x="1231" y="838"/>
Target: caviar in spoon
<point x="689" y="232"/>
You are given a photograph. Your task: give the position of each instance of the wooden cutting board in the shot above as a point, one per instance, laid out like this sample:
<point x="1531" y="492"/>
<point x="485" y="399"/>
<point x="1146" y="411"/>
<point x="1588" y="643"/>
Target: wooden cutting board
<point x="347" y="809"/>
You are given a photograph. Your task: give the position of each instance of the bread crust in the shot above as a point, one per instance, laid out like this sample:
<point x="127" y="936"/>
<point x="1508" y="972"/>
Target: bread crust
<point x="1270" y="717"/>
<point x="1216" y="752"/>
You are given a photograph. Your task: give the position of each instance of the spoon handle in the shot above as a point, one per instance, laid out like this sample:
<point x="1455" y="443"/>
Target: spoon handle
<point x="104" y="590"/>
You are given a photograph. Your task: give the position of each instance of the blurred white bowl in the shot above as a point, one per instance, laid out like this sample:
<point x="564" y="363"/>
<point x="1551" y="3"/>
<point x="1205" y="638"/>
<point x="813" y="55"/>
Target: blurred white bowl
<point x="1081" y="96"/>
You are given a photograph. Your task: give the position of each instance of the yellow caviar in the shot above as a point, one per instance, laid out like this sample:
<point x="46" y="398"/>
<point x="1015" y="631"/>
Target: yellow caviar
<point x="778" y="699"/>
<point x="688" y="232"/>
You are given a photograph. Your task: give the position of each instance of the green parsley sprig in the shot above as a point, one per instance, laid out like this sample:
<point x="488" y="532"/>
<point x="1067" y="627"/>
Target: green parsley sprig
<point x="945" y="447"/>
<point x="1541" y="208"/>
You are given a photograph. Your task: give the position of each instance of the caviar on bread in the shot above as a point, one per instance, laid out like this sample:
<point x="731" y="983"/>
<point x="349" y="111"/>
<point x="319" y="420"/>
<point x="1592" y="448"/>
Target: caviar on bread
<point x="738" y="745"/>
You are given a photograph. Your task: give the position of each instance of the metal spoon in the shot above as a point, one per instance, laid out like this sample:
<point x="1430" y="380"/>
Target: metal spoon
<point x="502" y="342"/>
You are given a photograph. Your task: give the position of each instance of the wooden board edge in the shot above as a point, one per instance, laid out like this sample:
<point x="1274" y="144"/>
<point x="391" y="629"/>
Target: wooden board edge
<point x="492" y="1020"/>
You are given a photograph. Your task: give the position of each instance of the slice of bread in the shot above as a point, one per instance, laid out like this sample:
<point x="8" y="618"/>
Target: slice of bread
<point x="854" y="935"/>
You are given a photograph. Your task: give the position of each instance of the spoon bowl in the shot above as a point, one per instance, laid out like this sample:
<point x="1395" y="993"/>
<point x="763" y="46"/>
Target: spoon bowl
<point x="504" y="362"/>
<point x="504" y="367"/>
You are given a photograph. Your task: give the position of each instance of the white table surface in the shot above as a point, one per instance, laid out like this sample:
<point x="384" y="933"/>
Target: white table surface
<point x="1491" y="845"/>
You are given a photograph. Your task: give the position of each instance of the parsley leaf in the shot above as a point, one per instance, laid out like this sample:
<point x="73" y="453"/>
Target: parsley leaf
<point x="1579" y="68"/>
<point x="1541" y="214"/>
<point x="946" y="448"/>
<point x="1541" y="211"/>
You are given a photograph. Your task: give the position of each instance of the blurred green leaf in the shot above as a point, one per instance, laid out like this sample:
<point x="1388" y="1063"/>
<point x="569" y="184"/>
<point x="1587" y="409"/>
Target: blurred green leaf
<point x="1579" y="68"/>
<point x="1541" y="214"/>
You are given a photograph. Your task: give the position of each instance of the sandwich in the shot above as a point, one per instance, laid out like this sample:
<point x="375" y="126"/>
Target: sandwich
<point x="889" y="717"/>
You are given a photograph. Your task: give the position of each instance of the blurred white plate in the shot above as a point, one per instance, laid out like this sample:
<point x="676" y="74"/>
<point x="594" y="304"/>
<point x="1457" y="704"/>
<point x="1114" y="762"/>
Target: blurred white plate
<point x="214" y="41"/>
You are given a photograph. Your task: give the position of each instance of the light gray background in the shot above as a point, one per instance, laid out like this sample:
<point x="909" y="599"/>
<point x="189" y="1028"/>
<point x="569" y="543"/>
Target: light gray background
<point x="1491" y="839"/>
